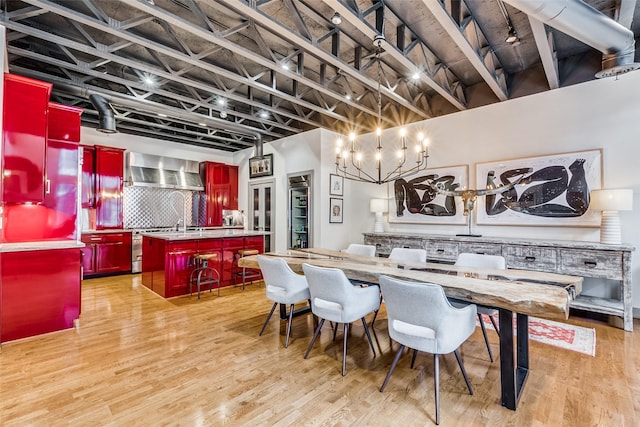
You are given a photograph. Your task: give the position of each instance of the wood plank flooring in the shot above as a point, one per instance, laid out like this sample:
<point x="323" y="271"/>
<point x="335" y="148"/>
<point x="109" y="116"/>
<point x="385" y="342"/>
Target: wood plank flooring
<point x="137" y="359"/>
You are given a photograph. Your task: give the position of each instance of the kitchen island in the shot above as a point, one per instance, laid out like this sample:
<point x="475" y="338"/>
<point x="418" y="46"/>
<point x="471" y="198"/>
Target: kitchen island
<point x="166" y="257"/>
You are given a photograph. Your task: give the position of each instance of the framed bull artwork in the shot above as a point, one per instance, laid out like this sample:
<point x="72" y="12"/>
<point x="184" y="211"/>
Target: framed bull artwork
<point x="551" y="190"/>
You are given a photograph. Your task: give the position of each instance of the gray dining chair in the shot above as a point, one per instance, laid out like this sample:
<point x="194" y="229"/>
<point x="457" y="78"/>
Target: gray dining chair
<point x="336" y="299"/>
<point x="283" y="286"/>
<point x="399" y="255"/>
<point x="493" y="262"/>
<point x="358" y="249"/>
<point x="421" y="318"/>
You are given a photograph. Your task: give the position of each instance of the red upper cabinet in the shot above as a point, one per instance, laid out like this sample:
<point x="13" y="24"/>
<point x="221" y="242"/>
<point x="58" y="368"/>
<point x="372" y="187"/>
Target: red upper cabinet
<point x="24" y="139"/>
<point x="64" y="122"/>
<point x="88" y="189"/>
<point x="221" y="186"/>
<point x="109" y="187"/>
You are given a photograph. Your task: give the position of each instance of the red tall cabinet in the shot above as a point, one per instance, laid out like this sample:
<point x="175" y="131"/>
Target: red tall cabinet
<point x="109" y="183"/>
<point x="24" y="139"/>
<point x="221" y="186"/>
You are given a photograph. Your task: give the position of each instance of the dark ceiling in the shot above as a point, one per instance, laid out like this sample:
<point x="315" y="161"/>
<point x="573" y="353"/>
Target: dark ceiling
<point x="217" y="72"/>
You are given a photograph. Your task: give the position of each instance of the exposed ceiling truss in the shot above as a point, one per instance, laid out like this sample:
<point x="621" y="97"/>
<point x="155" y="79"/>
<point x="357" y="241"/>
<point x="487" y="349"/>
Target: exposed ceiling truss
<point x="215" y="73"/>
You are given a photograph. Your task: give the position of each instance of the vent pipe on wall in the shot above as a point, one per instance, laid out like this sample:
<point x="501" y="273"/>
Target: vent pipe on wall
<point x="105" y="113"/>
<point x="582" y="22"/>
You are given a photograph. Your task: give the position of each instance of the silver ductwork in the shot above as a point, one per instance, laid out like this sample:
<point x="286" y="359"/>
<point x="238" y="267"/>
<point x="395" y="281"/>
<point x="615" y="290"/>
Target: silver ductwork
<point x="582" y="22"/>
<point x="148" y="170"/>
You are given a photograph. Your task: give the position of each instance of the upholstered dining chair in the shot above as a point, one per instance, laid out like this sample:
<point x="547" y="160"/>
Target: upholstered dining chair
<point x="408" y="254"/>
<point x="493" y="262"/>
<point x="335" y="298"/>
<point x="283" y="286"/>
<point x="421" y="318"/>
<point x="399" y="255"/>
<point x="358" y="249"/>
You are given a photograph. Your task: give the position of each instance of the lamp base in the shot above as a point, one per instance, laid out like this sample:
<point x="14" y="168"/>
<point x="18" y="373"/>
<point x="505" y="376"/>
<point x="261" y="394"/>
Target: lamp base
<point x="610" y="228"/>
<point x="378" y="226"/>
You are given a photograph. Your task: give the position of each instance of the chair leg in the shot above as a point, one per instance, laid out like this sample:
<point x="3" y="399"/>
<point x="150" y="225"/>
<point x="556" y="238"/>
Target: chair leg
<point x="344" y="349"/>
<point x="464" y="373"/>
<point x="436" y="384"/>
<point x="495" y="326"/>
<point x="335" y="330"/>
<point x="313" y="340"/>
<point x="413" y="358"/>
<point x="366" y="330"/>
<point x="486" y="339"/>
<point x="393" y="366"/>
<point x="375" y="314"/>
<point x="286" y="343"/>
<point x="275" y="304"/>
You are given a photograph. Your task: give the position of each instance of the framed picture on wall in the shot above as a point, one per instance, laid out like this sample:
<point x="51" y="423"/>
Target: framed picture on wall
<point x="336" y="185"/>
<point x="335" y="212"/>
<point x="417" y="201"/>
<point x="551" y="191"/>
<point x="261" y="166"/>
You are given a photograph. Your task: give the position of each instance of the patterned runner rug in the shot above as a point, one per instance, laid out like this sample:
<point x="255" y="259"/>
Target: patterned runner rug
<point x="563" y="335"/>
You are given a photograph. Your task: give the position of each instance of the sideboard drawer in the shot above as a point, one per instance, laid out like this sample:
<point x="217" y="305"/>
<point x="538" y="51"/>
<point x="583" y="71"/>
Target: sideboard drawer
<point x="480" y="248"/>
<point x="441" y="251"/>
<point x="588" y="263"/>
<point x="382" y="244"/>
<point x="531" y="258"/>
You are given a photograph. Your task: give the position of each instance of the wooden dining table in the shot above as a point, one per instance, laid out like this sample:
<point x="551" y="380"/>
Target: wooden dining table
<point x="521" y="292"/>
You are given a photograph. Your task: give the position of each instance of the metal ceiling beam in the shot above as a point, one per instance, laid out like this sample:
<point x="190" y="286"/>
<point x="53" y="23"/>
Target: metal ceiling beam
<point x="146" y="7"/>
<point x="624" y="12"/>
<point x="546" y="48"/>
<point x="446" y="90"/>
<point x="113" y="29"/>
<point x="174" y="76"/>
<point x="472" y="42"/>
<point x="312" y="47"/>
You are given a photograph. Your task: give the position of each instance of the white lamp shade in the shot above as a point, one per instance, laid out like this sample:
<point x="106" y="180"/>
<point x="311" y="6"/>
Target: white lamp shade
<point x="378" y="205"/>
<point x="611" y="200"/>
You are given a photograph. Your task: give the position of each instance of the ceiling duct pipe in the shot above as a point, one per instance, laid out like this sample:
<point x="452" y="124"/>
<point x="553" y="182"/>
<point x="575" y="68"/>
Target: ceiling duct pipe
<point x="582" y="22"/>
<point x="105" y="114"/>
<point x="259" y="146"/>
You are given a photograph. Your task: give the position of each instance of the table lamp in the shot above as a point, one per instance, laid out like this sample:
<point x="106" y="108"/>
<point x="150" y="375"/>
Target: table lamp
<point x="610" y="202"/>
<point x="378" y="206"/>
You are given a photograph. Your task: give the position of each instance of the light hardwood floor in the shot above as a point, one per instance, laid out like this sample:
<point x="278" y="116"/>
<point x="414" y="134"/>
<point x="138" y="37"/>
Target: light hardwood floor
<point x="137" y="359"/>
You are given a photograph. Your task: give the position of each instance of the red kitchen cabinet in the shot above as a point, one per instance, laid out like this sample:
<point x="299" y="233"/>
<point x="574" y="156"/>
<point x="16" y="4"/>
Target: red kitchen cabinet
<point x="106" y="253"/>
<point x="109" y="187"/>
<point x="61" y="187"/>
<point x="230" y="249"/>
<point x="88" y="189"/>
<point x="221" y="187"/>
<point x="63" y="122"/>
<point x="24" y="139"/>
<point x="40" y="292"/>
<point x="178" y="267"/>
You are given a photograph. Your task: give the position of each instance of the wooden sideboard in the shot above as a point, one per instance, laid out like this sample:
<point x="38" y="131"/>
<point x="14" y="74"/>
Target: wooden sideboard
<point x="586" y="259"/>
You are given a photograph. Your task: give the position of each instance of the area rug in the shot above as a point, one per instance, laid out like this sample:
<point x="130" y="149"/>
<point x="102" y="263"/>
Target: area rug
<point x="563" y="335"/>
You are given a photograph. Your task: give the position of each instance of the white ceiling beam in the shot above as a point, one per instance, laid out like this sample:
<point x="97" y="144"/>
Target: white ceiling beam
<point x="546" y="49"/>
<point x="470" y="48"/>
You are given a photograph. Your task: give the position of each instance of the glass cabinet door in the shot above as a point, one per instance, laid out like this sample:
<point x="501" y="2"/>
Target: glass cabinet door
<point x="260" y="208"/>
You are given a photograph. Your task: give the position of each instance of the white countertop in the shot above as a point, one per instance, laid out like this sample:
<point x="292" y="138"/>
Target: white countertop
<point x="40" y="246"/>
<point x="204" y="234"/>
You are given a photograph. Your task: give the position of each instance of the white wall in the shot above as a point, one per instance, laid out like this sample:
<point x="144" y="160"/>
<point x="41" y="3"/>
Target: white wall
<point x="600" y="114"/>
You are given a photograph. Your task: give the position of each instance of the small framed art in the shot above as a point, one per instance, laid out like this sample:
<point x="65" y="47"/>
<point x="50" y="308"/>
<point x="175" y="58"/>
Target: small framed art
<point x="336" y="185"/>
<point x="336" y="211"/>
<point x="261" y="166"/>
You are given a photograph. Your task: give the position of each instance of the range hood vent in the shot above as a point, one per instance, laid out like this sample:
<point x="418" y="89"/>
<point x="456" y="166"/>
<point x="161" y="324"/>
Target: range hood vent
<point x="147" y="170"/>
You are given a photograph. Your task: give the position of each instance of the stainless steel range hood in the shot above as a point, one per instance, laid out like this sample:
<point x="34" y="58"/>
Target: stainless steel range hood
<point x="147" y="170"/>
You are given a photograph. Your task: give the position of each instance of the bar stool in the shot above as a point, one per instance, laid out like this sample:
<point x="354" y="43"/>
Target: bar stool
<point x="247" y="273"/>
<point x="203" y="274"/>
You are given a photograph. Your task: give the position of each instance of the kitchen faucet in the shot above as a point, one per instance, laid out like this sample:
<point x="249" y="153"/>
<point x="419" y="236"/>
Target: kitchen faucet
<point x="184" y="211"/>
